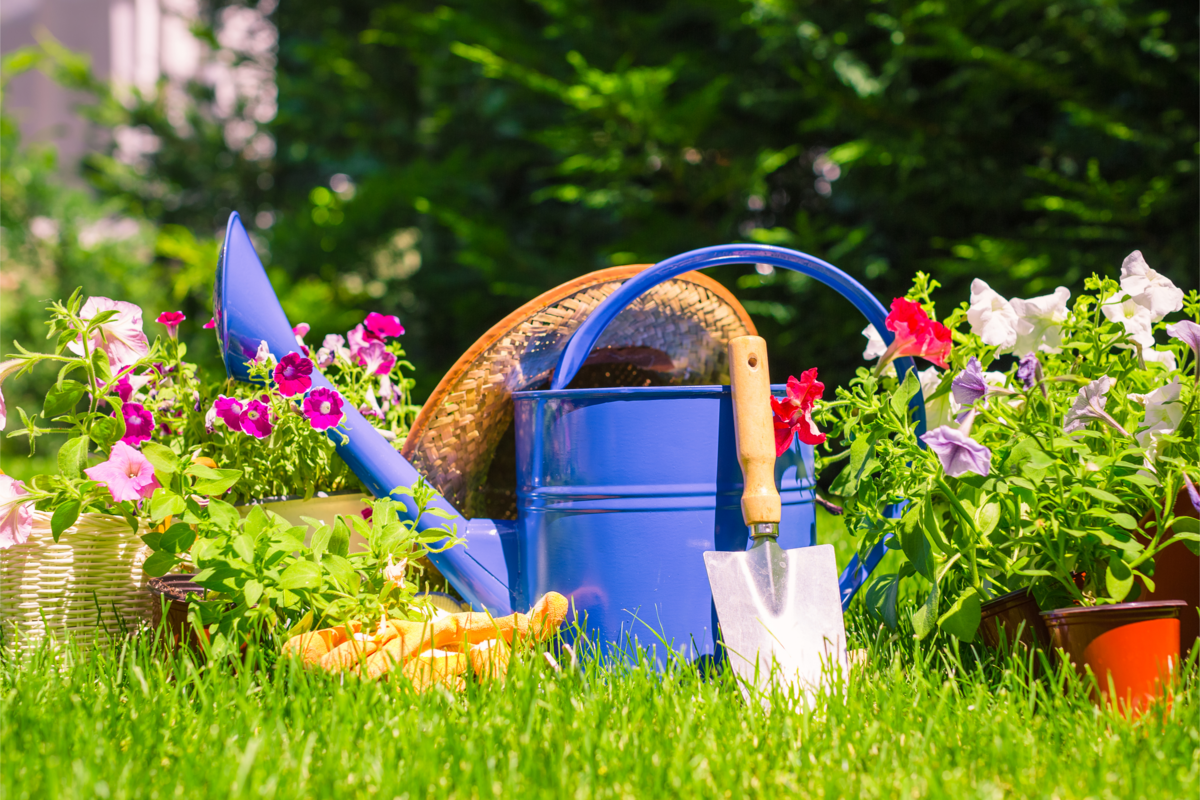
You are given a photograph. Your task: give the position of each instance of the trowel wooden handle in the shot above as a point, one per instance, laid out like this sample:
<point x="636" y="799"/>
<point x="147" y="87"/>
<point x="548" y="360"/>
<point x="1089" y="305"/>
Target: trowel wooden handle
<point x="753" y="429"/>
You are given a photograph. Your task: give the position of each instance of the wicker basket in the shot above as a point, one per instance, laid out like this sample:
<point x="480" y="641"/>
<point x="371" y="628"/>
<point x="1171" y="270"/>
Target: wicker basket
<point x="675" y="334"/>
<point x="89" y="585"/>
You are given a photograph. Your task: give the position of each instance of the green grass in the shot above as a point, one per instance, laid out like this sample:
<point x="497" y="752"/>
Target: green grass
<point x="936" y="722"/>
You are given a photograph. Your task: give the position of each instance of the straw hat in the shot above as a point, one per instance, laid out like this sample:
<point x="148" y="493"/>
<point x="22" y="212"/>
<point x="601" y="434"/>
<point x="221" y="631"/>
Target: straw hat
<point x="675" y="334"/>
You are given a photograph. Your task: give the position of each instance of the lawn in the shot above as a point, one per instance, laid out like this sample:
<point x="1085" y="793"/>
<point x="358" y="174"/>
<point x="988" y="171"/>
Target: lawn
<point x="928" y="720"/>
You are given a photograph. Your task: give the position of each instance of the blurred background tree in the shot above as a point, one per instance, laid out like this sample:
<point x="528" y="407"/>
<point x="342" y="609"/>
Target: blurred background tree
<point x="448" y="161"/>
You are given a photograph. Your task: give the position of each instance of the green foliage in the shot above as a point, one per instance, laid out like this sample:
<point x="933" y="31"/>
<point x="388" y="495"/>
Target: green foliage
<point x="263" y="579"/>
<point x="1059" y="505"/>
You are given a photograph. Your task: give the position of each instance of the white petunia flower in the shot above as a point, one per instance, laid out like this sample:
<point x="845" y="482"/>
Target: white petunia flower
<point x="1164" y="412"/>
<point x="992" y="317"/>
<point x="876" y="348"/>
<point x="1039" y="322"/>
<point x="1136" y="318"/>
<point x="1149" y="288"/>
<point x="942" y="410"/>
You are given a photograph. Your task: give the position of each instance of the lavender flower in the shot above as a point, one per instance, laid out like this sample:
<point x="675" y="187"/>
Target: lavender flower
<point x="969" y="386"/>
<point x="958" y="452"/>
<point x="1090" y="405"/>
<point x="1193" y="494"/>
<point x="1029" y="371"/>
<point x="1187" y="332"/>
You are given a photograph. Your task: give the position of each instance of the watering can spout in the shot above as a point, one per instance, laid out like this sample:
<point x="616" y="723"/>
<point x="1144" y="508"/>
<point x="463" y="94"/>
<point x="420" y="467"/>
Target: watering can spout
<point x="247" y="312"/>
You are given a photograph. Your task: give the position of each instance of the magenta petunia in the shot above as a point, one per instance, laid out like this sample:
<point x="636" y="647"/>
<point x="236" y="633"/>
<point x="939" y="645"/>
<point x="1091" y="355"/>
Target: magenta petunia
<point x="127" y="474"/>
<point x="292" y="375"/>
<point x="358" y="338"/>
<point x="384" y="325"/>
<point x="323" y="407"/>
<point x="376" y="359"/>
<point x="139" y="424"/>
<point x="212" y="323"/>
<point x="171" y="319"/>
<point x="229" y="409"/>
<point x="256" y="420"/>
<point x="301" y="330"/>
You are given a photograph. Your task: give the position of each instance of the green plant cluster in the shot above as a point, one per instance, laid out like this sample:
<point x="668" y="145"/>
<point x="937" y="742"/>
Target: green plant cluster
<point x="1079" y="516"/>
<point x="267" y="578"/>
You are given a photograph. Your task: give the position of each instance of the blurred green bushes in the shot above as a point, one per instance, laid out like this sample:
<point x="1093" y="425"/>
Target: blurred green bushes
<point x="448" y="161"/>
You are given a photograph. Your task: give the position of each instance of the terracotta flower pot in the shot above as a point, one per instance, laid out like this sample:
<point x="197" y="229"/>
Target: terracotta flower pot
<point x="1177" y="577"/>
<point x="1132" y="649"/>
<point x="170" y="604"/>
<point x="1001" y="618"/>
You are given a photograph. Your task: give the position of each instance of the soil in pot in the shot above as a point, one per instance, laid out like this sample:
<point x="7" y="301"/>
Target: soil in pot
<point x="1002" y="617"/>
<point x="1132" y="649"/>
<point x="1177" y="577"/>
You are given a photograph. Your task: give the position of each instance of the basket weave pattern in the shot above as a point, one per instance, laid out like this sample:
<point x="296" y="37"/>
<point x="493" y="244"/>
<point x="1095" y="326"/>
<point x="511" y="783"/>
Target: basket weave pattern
<point x="89" y="582"/>
<point x="689" y="319"/>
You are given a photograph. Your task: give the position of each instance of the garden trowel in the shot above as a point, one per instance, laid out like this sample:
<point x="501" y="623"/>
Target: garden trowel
<point x="780" y="610"/>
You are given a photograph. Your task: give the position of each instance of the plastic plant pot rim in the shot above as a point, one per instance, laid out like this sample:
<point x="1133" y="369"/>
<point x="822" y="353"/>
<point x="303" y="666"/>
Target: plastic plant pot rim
<point x="1116" y="613"/>
<point x="1006" y="601"/>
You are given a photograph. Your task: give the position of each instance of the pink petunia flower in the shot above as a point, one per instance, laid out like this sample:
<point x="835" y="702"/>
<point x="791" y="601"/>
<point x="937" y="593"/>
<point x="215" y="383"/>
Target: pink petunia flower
<point x="367" y="513"/>
<point x="171" y="319"/>
<point x="376" y="359"/>
<point x="793" y="414"/>
<point x="121" y="338"/>
<point x="383" y="325"/>
<point x="358" y="338"/>
<point x="127" y="474"/>
<point x="292" y="375"/>
<point x="301" y="330"/>
<point x="323" y="407"/>
<point x="16" y="513"/>
<point x="139" y="424"/>
<point x="916" y="335"/>
<point x="212" y="323"/>
<point x="229" y="409"/>
<point x="256" y="420"/>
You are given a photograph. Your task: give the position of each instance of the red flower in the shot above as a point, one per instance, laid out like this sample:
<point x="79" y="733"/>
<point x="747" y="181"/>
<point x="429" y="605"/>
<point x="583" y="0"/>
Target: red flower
<point x="916" y="335"/>
<point x="793" y="415"/>
<point x="171" y="319"/>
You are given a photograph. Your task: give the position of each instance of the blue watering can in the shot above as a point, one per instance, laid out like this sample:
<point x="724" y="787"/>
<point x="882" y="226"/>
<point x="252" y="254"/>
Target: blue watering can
<point x="619" y="490"/>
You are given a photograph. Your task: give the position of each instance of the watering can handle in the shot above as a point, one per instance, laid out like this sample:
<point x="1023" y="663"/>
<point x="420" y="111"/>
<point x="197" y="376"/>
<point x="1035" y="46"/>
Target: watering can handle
<point x="587" y="334"/>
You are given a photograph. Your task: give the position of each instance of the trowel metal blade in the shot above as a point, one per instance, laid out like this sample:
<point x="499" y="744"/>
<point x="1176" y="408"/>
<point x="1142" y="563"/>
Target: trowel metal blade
<point x="780" y="608"/>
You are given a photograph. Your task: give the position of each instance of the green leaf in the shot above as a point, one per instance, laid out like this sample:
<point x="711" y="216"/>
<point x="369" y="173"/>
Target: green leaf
<point x="72" y="457"/>
<point x="861" y="450"/>
<point x="64" y="517"/>
<point x="882" y="594"/>
<point x="340" y="569"/>
<point x="223" y="515"/>
<point x="60" y="401"/>
<point x="303" y="625"/>
<point x="106" y="431"/>
<point x="301" y="575"/>
<point x="165" y="503"/>
<point x="243" y="545"/>
<point x="213" y="481"/>
<point x="256" y="520"/>
<point x="904" y="394"/>
<point x="913" y="541"/>
<point x="1103" y="496"/>
<point x="320" y="540"/>
<point x="932" y="520"/>
<point x="253" y="591"/>
<point x="339" y="542"/>
<point x="162" y="458"/>
<point x="1118" y="579"/>
<point x="924" y="619"/>
<point x="178" y="538"/>
<point x="158" y="564"/>
<point x="153" y="540"/>
<point x="1028" y="459"/>
<point x="987" y="517"/>
<point x="101" y="365"/>
<point x="962" y="619"/>
<point x="1124" y="520"/>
